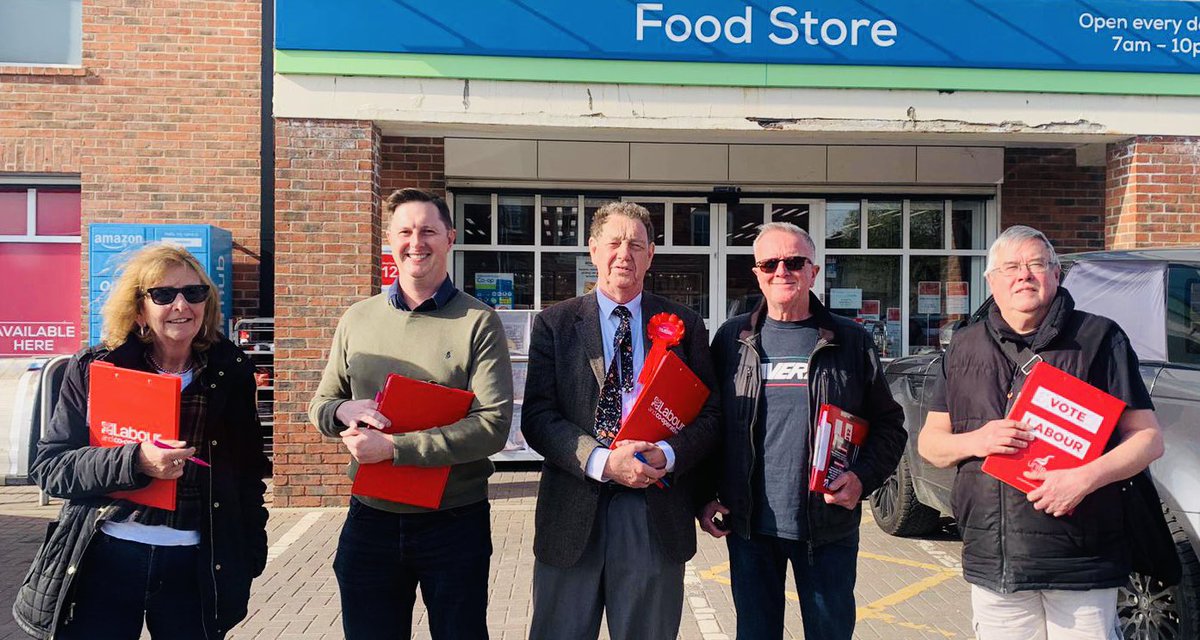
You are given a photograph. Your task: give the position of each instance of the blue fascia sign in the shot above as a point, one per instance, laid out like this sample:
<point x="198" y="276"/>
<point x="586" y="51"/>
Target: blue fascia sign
<point x="1099" y="35"/>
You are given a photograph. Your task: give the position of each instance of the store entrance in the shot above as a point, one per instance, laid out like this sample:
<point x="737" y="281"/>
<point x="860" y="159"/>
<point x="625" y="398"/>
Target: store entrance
<point x="906" y="268"/>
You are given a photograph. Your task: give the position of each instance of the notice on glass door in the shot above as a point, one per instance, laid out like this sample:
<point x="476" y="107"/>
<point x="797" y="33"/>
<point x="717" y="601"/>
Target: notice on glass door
<point x="929" y="297"/>
<point x="845" y="299"/>
<point x="958" y="298"/>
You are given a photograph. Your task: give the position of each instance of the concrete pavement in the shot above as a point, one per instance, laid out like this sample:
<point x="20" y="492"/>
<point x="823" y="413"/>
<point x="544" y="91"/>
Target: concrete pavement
<point x="906" y="588"/>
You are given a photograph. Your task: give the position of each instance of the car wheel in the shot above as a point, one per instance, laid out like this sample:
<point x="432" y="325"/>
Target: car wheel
<point x="1149" y="610"/>
<point x="896" y="509"/>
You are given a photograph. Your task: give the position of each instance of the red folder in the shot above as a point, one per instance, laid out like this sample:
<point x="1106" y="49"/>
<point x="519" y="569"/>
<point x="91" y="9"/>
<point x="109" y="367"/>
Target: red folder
<point x="667" y="403"/>
<point x="840" y="436"/>
<point x="1072" y="421"/>
<point x="412" y="405"/>
<point x="127" y="406"/>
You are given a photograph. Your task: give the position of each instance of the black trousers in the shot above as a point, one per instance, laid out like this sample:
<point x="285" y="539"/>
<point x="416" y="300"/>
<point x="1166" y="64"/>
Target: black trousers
<point x="383" y="557"/>
<point x="122" y="584"/>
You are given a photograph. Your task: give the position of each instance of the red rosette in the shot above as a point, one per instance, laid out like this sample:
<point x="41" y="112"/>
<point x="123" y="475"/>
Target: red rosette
<point x="666" y="331"/>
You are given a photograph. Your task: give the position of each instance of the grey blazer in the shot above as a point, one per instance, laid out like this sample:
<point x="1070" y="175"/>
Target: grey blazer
<point x="566" y="371"/>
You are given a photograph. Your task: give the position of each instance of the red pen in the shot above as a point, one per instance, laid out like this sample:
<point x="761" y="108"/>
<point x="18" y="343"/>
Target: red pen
<point x="162" y="445"/>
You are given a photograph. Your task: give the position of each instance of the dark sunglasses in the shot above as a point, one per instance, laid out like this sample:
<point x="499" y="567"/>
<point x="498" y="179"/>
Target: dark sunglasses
<point x="791" y="263"/>
<point x="193" y="293"/>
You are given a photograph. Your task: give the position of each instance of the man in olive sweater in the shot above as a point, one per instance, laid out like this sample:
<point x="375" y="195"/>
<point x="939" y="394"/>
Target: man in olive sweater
<point x="422" y="328"/>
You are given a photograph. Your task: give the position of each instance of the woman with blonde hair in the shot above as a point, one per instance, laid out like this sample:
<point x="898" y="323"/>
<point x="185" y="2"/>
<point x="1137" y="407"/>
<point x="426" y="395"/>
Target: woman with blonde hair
<point x="110" y="565"/>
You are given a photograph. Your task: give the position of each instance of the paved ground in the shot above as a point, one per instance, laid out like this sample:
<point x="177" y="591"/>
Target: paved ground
<point x="906" y="588"/>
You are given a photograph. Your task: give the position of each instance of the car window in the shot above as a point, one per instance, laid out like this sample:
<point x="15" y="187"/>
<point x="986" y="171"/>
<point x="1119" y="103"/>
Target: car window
<point x="1183" y="314"/>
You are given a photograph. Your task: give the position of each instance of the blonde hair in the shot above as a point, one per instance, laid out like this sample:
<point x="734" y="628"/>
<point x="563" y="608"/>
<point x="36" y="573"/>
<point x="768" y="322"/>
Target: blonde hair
<point x="146" y="269"/>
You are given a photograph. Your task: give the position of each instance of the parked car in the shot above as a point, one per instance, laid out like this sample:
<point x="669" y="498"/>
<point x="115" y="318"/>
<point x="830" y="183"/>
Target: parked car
<point x="1155" y="296"/>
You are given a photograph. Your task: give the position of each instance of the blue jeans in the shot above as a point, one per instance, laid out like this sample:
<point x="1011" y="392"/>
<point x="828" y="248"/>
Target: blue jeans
<point x="382" y="557"/>
<point x="758" y="569"/>
<point x="121" y="584"/>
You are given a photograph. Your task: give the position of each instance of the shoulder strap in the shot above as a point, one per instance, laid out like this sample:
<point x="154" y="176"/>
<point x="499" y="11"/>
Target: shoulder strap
<point x="1022" y="356"/>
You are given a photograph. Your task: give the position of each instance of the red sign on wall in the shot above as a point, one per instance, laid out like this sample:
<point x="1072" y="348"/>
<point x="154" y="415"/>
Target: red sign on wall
<point x="387" y="267"/>
<point x="39" y="299"/>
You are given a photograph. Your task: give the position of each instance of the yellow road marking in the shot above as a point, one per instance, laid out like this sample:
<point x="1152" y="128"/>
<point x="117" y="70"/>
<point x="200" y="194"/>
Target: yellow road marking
<point x="876" y="610"/>
<point x="901" y="561"/>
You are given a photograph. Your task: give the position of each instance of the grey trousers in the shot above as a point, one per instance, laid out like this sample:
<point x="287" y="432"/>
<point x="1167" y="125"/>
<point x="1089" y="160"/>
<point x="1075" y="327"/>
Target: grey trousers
<point x="622" y="573"/>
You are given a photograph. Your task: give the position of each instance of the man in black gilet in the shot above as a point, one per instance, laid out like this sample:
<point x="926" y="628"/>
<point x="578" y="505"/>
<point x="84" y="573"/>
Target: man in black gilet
<point x="1046" y="564"/>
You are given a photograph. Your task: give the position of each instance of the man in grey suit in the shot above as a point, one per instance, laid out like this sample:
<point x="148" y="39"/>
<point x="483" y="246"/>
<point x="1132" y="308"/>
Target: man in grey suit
<point x="606" y="537"/>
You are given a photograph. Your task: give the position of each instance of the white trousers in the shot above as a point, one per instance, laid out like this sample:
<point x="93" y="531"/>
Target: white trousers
<point x="1045" y="615"/>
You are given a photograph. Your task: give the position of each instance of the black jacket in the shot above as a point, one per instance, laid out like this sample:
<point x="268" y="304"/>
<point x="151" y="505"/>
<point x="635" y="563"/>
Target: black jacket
<point x="233" y="548"/>
<point x="1008" y="545"/>
<point x="844" y="371"/>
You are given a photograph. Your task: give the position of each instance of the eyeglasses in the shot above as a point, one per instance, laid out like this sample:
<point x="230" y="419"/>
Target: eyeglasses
<point x="1036" y="267"/>
<point x="193" y="293"/>
<point x="791" y="263"/>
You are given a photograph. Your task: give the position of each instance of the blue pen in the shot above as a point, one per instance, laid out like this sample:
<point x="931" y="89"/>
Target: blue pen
<point x="662" y="482"/>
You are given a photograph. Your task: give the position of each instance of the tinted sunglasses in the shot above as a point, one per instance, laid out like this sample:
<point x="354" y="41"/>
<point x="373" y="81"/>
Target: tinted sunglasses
<point x="791" y="263"/>
<point x="193" y="293"/>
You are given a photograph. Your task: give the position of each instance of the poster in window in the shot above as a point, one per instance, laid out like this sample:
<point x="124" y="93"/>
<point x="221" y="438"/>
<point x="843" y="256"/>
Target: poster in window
<point x="958" y="298"/>
<point x="929" y="297"/>
<point x="517" y="326"/>
<point x="495" y="289"/>
<point x="893" y="324"/>
<point x="845" y="298"/>
<point x="869" y="310"/>
<point x="585" y="275"/>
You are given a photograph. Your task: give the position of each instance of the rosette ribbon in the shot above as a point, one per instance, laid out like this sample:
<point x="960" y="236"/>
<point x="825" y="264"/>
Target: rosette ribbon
<point x="666" y="331"/>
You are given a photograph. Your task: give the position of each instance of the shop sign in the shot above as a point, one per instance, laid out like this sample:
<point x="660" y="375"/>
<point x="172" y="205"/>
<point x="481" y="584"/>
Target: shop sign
<point x="929" y="297"/>
<point x="1102" y="35"/>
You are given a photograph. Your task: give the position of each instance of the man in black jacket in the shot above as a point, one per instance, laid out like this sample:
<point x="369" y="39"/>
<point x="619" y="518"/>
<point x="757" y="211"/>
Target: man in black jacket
<point x="775" y="367"/>
<point x="1048" y="564"/>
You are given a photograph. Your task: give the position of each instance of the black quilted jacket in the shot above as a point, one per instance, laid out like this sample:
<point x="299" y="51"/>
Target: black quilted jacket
<point x="233" y="547"/>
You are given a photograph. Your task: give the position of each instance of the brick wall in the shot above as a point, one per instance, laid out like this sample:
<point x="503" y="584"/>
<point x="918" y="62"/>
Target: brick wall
<point x="1153" y="196"/>
<point x="1044" y="189"/>
<point x="327" y="234"/>
<point x="161" y="123"/>
<point x="414" y="162"/>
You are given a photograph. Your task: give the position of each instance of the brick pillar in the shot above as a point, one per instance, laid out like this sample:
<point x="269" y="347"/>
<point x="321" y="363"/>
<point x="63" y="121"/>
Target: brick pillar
<point x="1153" y="192"/>
<point x="1047" y="190"/>
<point x="414" y="162"/>
<point x="327" y="239"/>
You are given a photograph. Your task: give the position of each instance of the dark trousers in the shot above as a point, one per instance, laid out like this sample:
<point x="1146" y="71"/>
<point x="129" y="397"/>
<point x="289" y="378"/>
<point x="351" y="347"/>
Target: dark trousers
<point x="758" y="570"/>
<point x="382" y="557"/>
<point x="622" y="576"/>
<point x="120" y="584"/>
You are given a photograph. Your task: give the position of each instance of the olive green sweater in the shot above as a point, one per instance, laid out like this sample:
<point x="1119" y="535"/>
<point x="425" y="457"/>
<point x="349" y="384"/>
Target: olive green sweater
<point x="463" y="346"/>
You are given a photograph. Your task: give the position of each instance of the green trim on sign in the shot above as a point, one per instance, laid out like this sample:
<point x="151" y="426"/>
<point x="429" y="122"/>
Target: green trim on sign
<point x="341" y="63"/>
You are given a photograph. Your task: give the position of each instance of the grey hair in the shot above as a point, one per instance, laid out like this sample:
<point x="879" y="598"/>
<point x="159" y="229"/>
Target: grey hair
<point x="1016" y="235"/>
<point x="787" y="227"/>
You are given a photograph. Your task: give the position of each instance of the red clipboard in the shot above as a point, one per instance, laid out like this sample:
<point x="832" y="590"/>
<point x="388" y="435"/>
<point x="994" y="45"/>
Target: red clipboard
<point x="412" y="405"/>
<point x="1072" y="421"/>
<point x="127" y="406"/>
<point x="670" y="401"/>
